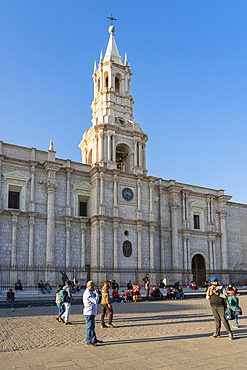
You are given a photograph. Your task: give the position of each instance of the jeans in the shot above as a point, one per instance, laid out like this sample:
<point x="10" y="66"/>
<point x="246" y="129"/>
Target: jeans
<point x="61" y="309"/>
<point x="67" y="307"/>
<point x="90" y="332"/>
<point x="236" y="317"/>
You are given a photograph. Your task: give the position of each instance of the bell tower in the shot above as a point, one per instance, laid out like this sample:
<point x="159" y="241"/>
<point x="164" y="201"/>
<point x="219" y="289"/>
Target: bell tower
<point x="114" y="140"/>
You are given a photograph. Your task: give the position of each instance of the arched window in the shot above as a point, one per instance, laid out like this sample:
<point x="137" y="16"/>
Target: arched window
<point x="89" y="159"/>
<point x="117" y="85"/>
<point x="106" y="80"/>
<point x="98" y="85"/>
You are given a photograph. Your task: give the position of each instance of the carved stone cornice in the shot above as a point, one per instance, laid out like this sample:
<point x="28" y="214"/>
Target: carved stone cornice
<point x="52" y="166"/>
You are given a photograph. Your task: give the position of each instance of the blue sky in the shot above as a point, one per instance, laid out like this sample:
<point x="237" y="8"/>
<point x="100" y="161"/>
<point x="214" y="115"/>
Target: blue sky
<point x="189" y="83"/>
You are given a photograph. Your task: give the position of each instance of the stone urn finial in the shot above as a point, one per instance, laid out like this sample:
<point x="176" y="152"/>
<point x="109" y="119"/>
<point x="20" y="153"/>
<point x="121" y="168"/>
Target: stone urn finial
<point x="51" y="146"/>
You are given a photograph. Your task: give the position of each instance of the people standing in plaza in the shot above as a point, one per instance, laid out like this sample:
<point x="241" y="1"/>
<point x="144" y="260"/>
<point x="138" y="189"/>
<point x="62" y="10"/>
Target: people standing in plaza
<point x="145" y="279"/>
<point x="90" y="300"/>
<point x="11" y="298"/>
<point x="106" y="306"/>
<point x="217" y="296"/>
<point x="67" y="302"/>
<point x="129" y="285"/>
<point x="64" y="277"/>
<point x="60" y="305"/>
<point x="234" y="306"/>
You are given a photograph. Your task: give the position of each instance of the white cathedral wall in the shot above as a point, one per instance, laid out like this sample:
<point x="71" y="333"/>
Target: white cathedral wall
<point x="40" y="241"/>
<point x="237" y="235"/>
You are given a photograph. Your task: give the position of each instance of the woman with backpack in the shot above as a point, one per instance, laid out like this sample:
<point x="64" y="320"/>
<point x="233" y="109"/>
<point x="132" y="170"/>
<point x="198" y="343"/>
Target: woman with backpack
<point x="59" y="304"/>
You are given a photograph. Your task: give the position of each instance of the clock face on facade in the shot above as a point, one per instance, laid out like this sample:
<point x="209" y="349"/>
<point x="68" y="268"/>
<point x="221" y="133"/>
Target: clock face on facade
<point x="127" y="194"/>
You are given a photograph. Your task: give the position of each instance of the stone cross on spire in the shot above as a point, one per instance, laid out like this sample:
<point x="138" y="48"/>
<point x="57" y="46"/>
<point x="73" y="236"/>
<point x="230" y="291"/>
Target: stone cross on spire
<point x="112" y="19"/>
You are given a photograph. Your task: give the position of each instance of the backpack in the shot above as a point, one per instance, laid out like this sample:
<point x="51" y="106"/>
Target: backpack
<point x="62" y="295"/>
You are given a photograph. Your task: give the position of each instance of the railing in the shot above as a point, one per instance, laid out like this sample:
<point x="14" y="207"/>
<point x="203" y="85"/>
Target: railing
<point x="31" y="275"/>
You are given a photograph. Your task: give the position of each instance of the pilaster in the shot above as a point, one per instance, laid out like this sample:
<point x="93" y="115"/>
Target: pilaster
<point x="15" y="215"/>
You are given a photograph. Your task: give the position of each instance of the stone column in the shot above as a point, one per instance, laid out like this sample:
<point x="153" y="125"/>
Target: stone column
<point x="188" y="248"/>
<point x="139" y="246"/>
<point x="185" y="253"/>
<point x="110" y="77"/>
<point x="67" y="247"/>
<point x="102" y="206"/>
<point x="50" y="239"/>
<point x="32" y="198"/>
<point x="15" y="215"/>
<point x="211" y="260"/>
<point x="101" y="77"/>
<point x="114" y="148"/>
<point x="140" y="155"/>
<point x="68" y="187"/>
<point x="32" y="216"/>
<point x="184" y="209"/>
<point x="94" y="154"/>
<point x="139" y="207"/>
<point x="152" y="262"/>
<point x="224" y="252"/>
<point x="83" y="244"/>
<point x="115" y="244"/>
<point x="214" y="255"/>
<point x="174" y="191"/>
<point x="135" y="153"/>
<point x="174" y="223"/>
<point x="109" y="147"/>
<point x="162" y="249"/>
<point x="144" y="159"/>
<point x="102" y="243"/>
<point x="115" y="202"/>
<point x="151" y="197"/>
<point x="101" y="146"/>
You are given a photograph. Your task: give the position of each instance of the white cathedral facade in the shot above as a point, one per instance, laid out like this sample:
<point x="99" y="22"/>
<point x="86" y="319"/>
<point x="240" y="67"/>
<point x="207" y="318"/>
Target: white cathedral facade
<point x="105" y="217"/>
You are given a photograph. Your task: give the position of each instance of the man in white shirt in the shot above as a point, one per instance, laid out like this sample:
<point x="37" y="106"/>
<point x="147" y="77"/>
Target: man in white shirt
<point x="90" y="300"/>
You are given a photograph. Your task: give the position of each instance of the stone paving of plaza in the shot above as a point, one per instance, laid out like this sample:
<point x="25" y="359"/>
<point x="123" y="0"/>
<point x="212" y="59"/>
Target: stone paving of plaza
<point x="148" y="335"/>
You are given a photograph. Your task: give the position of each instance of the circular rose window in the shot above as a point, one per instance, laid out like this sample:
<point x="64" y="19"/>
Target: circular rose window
<point x="127" y="248"/>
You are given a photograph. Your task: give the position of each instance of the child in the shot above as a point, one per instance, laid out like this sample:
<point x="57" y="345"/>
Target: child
<point x="114" y="296"/>
<point x="128" y="296"/>
<point x="60" y="305"/>
<point x="234" y="306"/>
<point x="123" y="296"/>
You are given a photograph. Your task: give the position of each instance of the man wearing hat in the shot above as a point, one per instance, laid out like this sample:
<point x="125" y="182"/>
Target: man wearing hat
<point x="90" y="300"/>
<point x="217" y="295"/>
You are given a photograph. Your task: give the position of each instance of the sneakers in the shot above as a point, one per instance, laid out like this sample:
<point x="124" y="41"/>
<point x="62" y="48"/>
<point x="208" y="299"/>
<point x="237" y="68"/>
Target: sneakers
<point x="230" y="336"/>
<point x="103" y="326"/>
<point x="91" y="344"/>
<point x="62" y="320"/>
<point x="215" y="336"/>
<point x="110" y="326"/>
<point x="57" y="318"/>
<point x="68" y="323"/>
<point x="234" y="326"/>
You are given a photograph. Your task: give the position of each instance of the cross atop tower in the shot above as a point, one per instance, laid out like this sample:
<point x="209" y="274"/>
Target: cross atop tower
<point x="112" y="19"/>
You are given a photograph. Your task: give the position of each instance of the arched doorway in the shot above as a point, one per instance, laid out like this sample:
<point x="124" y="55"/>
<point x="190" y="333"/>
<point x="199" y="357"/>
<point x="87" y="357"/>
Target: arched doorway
<point x="198" y="269"/>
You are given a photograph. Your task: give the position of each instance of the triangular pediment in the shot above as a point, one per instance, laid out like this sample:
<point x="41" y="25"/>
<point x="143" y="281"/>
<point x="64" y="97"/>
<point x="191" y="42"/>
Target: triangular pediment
<point x="197" y="205"/>
<point x="15" y="175"/>
<point x="82" y="188"/>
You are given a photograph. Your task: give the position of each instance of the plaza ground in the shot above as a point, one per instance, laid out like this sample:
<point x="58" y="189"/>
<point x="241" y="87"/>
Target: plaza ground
<point x="148" y="335"/>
